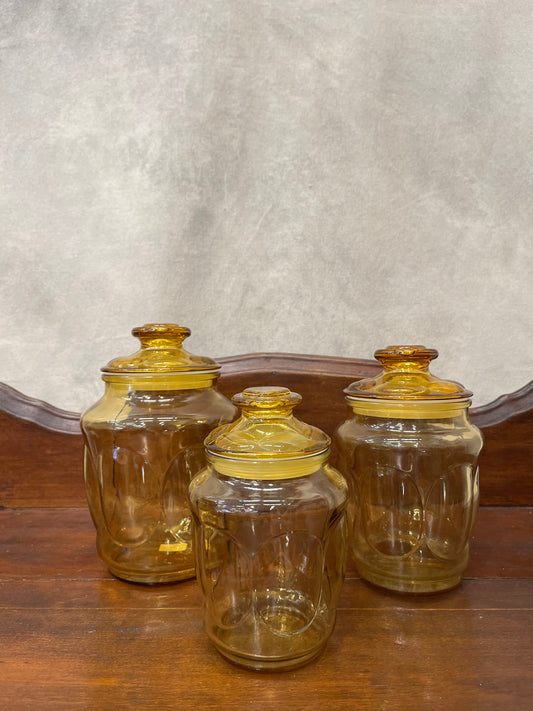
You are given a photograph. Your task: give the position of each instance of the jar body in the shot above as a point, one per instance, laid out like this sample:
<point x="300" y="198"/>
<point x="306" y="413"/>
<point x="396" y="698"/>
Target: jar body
<point x="270" y="561"/>
<point x="142" y="448"/>
<point x="414" y="490"/>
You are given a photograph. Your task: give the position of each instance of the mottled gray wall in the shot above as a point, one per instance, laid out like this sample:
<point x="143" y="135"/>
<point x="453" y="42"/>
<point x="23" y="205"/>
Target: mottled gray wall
<point x="284" y="175"/>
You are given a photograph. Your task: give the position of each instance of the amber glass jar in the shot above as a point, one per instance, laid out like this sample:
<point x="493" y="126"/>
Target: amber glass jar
<point x="410" y="455"/>
<point x="143" y="444"/>
<point x="270" y="529"/>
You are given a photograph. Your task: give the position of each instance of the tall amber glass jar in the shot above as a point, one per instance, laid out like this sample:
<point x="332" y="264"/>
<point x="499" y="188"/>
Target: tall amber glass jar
<point x="270" y="532"/>
<point x="410" y="455"/>
<point x="143" y="444"/>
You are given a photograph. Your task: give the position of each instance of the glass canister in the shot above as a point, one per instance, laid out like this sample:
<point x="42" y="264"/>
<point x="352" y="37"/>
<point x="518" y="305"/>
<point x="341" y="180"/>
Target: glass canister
<point x="270" y="533"/>
<point x="143" y="445"/>
<point x="410" y="455"/>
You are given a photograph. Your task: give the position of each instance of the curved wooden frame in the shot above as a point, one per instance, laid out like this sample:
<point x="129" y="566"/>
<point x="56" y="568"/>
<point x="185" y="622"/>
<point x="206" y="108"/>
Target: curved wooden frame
<point x="40" y="440"/>
<point x="72" y="635"/>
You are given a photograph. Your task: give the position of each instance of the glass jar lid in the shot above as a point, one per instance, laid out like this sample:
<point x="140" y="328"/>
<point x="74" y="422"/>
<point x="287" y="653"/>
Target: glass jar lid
<point x="406" y="385"/>
<point x="267" y="441"/>
<point x="161" y="356"/>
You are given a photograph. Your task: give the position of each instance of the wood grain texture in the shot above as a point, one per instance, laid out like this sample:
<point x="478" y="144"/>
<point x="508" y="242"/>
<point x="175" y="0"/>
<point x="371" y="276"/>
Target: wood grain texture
<point x="27" y="408"/>
<point x="41" y="450"/>
<point x="111" y="657"/>
<point x="74" y="637"/>
<point x="506" y="461"/>
<point x="59" y="544"/>
<point x="38" y="466"/>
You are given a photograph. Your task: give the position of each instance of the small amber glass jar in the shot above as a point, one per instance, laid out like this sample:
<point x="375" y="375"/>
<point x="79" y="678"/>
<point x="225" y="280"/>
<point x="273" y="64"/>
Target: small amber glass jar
<point x="143" y="444"/>
<point x="410" y="455"/>
<point x="270" y="531"/>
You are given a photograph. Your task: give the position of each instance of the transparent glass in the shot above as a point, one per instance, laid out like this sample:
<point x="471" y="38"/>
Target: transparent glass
<point x="414" y="489"/>
<point x="142" y="448"/>
<point x="271" y="561"/>
<point x="270" y="534"/>
<point x="143" y="444"/>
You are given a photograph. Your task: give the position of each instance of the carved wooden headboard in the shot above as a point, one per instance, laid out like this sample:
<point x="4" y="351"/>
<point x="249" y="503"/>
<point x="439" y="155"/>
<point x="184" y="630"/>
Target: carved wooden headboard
<point x="41" y="450"/>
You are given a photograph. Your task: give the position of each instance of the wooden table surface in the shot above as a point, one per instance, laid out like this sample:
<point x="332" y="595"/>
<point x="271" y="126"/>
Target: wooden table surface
<point x="74" y="637"/>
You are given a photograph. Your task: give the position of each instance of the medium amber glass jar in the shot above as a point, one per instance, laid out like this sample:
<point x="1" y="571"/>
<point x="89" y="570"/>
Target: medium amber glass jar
<point x="410" y="455"/>
<point x="143" y="444"/>
<point x="270" y="530"/>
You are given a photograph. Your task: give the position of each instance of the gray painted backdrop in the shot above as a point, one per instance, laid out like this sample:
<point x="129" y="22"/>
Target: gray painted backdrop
<point x="309" y="176"/>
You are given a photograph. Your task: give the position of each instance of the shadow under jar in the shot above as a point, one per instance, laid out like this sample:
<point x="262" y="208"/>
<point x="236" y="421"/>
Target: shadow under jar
<point x="410" y="455"/>
<point x="270" y="529"/>
<point x="143" y="445"/>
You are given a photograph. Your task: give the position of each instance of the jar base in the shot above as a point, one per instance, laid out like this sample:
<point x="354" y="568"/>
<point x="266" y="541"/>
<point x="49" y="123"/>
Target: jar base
<point x="409" y="584"/>
<point x="152" y="578"/>
<point x="269" y="665"/>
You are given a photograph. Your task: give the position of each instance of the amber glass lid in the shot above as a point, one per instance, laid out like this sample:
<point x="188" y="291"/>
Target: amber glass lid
<point x="406" y="377"/>
<point x="267" y="441"/>
<point x="161" y="351"/>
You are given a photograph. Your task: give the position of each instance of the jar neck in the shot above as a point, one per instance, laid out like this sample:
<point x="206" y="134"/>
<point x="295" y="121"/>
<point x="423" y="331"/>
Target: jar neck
<point x="120" y="384"/>
<point x="274" y="468"/>
<point x="460" y="420"/>
<point x="409" y="409"/>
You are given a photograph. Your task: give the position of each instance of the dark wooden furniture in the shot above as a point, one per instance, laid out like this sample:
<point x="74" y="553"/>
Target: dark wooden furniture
<point x="74" y="637"/>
